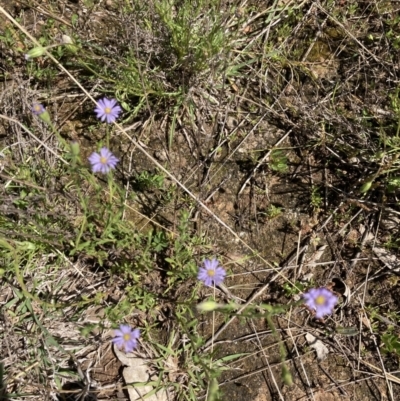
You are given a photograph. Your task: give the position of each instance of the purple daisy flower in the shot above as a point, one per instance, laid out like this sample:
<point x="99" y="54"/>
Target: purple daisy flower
<point x="321" y="300"/>
<point x="107" y="110"/>
<point x="126" y="337"/>
<point x="212" y="273"/>
<point x="38" y="109"/>
<point x="103" y="161"/>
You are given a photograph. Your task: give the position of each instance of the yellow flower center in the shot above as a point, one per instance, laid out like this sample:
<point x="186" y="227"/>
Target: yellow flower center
<point x="107" y="110"/>
<point x="103" y="160"/>
<point x="37" y="107"/>
<point x="127" y="337"/>
<point x="211" y="272"/>
<point x="320" y="300"/>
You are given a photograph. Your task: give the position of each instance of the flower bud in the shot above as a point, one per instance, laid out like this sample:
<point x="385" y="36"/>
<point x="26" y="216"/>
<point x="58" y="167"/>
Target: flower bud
<point x="67" y="40"/>
<point x="75" y="150"/>
<point x="69" y="44"/>
<point x="35" y="52"/>
<point x="366" y="187"/>
<point x="45" y="116"/>
<point x="207" y="306"/>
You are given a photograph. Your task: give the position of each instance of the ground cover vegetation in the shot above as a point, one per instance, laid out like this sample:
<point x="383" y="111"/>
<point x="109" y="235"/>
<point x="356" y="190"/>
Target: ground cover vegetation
<point x="204" y="192"/>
